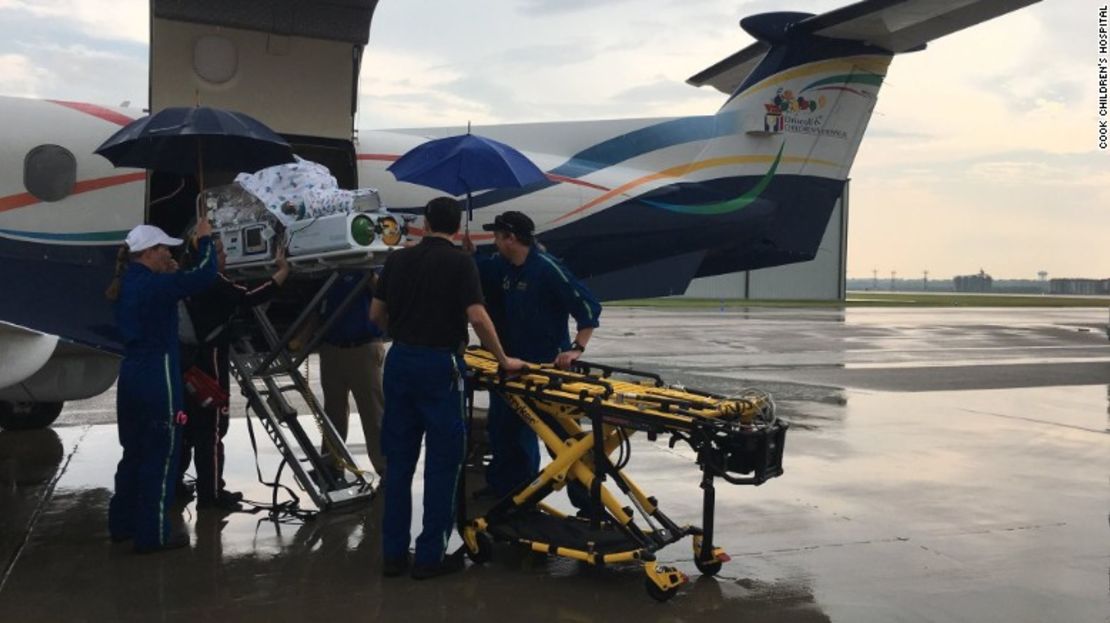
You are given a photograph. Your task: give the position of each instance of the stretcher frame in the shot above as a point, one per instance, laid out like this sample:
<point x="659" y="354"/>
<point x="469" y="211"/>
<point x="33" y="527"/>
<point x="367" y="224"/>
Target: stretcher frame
<point x="737" y="439"/>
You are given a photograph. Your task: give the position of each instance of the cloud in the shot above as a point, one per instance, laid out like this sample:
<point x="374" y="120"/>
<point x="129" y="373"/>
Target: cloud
<point x="105" y="77"/>
<point x="548" y="7"/>
<point x="126" y="20"/>
<point x="548" y="55"/>
<point x="20" y="76"/>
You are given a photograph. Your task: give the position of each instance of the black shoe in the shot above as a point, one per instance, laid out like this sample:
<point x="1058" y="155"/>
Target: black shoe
<point x="485" y="493"/>
<point x="233" y="495"/>
<point x="225" y="502"/>
<point x="394" y="567"/>
<point x="121" y="538"/>
<point x="184" y="492"/>
<point x="450" y="564"/>
<point x="176" y="541"/>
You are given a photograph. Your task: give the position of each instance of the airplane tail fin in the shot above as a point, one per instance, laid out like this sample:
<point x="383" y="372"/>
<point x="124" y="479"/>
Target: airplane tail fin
<point x="799" y="101"/>
<point x="812" y="81"/>
<point x="895" y="26"/>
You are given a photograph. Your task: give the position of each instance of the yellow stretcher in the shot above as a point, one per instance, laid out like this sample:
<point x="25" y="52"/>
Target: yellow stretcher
<point x="738" y="439"/>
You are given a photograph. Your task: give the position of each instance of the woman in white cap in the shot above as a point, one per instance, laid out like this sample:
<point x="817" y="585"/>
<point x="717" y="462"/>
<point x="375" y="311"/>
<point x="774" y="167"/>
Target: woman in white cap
<point x="149" y="403"/>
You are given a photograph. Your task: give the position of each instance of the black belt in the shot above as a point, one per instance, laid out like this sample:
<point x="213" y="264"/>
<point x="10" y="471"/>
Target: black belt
<point x="351" y="343"/>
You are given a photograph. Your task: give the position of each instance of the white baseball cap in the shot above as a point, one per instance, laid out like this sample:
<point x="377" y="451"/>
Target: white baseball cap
<point x="144" y="237"/>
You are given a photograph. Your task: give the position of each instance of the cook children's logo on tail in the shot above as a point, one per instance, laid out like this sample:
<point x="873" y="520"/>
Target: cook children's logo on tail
<point x="789" y="108"/>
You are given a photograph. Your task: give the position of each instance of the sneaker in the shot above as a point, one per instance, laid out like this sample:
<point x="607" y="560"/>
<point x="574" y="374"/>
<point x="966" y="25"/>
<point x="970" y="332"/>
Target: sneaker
<point x="176" y="541"/>
<point x="450" y="564"/>
<point x="394" y="567"/>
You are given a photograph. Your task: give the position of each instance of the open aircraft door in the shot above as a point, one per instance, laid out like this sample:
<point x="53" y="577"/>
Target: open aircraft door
<point x="292" y="64"/>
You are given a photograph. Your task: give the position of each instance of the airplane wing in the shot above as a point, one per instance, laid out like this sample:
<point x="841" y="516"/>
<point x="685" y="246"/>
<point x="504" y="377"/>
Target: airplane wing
<point x="895" y="25"/>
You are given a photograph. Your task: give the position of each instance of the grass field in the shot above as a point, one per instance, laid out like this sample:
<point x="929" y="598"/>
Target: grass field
<point x="882" y="299"/>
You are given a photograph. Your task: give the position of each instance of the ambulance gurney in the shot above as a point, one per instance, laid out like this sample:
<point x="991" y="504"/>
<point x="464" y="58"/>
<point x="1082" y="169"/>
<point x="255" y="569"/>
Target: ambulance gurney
<point x="738" y="439"/>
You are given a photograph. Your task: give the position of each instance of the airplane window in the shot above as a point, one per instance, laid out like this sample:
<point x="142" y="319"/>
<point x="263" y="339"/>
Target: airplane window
<point x="49" y="172"/>
<point x="215" y="59"/>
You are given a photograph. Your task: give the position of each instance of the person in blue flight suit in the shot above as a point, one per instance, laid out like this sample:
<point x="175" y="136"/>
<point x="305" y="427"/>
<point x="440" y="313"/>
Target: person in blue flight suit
<point x="207" y="424"/>
<point x="149" y="391"/>
<point x="530" y="295"/>
<point x="425" y="297"/>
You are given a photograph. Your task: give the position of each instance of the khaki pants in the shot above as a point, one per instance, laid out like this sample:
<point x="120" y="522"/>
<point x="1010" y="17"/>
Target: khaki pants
<point x="355" y="370"/>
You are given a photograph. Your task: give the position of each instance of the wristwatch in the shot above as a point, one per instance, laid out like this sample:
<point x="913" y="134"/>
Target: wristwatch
<point x="576" y="346"/>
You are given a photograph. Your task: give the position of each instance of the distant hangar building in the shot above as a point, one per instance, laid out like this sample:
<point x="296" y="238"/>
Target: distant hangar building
<point x="1086" y="287"/>
<point x="974" y="283"/>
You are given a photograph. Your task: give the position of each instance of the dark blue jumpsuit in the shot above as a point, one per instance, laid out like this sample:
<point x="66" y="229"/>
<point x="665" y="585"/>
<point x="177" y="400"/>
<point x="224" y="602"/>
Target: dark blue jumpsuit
<point x="529" y="305"/>
<point x="206" y="428"/>
<point x="149" y="396"/>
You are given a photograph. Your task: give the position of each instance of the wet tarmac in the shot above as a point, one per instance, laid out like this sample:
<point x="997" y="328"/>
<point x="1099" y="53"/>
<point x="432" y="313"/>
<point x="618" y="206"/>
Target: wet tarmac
<point x="942" y="465"/>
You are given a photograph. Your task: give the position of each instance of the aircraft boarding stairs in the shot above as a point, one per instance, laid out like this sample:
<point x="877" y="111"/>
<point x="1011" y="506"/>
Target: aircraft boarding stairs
<point x="266" y="369"/>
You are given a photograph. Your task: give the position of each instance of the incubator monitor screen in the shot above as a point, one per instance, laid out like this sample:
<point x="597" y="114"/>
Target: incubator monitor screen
<point x="253" y="241"/>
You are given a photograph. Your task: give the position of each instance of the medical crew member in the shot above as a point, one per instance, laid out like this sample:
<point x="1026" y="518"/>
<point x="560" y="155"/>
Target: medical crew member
<point x="207" y="425"/>
<point x="425" y="296"/>
<point x="351" y="359"/>
<point x="531" y="295"/>
<point x="148" y="393"/>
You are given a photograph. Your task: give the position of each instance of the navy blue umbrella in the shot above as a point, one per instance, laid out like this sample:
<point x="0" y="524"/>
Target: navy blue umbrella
<point x="188" y="140"/>
<point x="464" y="164"/>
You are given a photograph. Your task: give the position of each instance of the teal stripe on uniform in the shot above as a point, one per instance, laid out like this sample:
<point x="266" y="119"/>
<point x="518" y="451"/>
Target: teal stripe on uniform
<point x="169" y="455"/>
<point x="555" y="265"/>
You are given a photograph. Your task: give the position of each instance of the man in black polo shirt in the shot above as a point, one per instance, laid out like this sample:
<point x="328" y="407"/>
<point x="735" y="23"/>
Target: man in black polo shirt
<point x="425" y="296"/>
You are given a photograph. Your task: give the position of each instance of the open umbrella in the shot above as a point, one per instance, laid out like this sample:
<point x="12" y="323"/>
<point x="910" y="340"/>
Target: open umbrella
<point x="186" y="140"/>
<point x="464" y="164"/>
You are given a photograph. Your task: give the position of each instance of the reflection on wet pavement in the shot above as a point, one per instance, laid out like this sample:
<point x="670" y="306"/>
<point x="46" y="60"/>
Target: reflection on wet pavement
<point x="980" y="505"/>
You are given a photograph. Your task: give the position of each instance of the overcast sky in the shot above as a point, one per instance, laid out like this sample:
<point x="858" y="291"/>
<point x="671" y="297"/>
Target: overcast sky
<point x="982" y="152"/>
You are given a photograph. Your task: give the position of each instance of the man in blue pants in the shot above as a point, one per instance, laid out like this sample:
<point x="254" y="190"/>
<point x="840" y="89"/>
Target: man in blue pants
<point x="149" y="396"/>
<point x="425" y="296"/>
<point x="530" y="296"/>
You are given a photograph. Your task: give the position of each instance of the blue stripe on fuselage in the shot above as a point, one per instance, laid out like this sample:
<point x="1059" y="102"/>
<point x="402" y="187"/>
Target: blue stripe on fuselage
<point x="116" y="237"/>
<point x="621" y="148"/>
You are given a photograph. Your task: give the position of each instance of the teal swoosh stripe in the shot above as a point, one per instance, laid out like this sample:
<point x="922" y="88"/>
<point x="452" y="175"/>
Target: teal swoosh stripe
<point x="92" y="236"/>
<point x="724" y="207"/>
<point x="869" y="79"/>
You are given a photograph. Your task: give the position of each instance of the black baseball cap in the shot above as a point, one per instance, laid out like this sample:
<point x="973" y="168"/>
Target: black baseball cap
<point x="512" y="222"/>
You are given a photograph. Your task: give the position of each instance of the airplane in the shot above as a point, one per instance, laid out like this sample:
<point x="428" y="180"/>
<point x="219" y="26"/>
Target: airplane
<point x="637" y="207"/>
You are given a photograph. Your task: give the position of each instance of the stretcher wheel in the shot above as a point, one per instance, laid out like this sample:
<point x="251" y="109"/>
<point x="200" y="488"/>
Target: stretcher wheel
<point x="485" y="548"/>
<point x="659" y="594"/>
<point x="709" y="568"/>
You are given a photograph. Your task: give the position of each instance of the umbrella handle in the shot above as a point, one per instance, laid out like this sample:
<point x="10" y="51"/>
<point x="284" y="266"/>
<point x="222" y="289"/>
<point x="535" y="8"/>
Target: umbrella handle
<point x="202" y="209"/>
